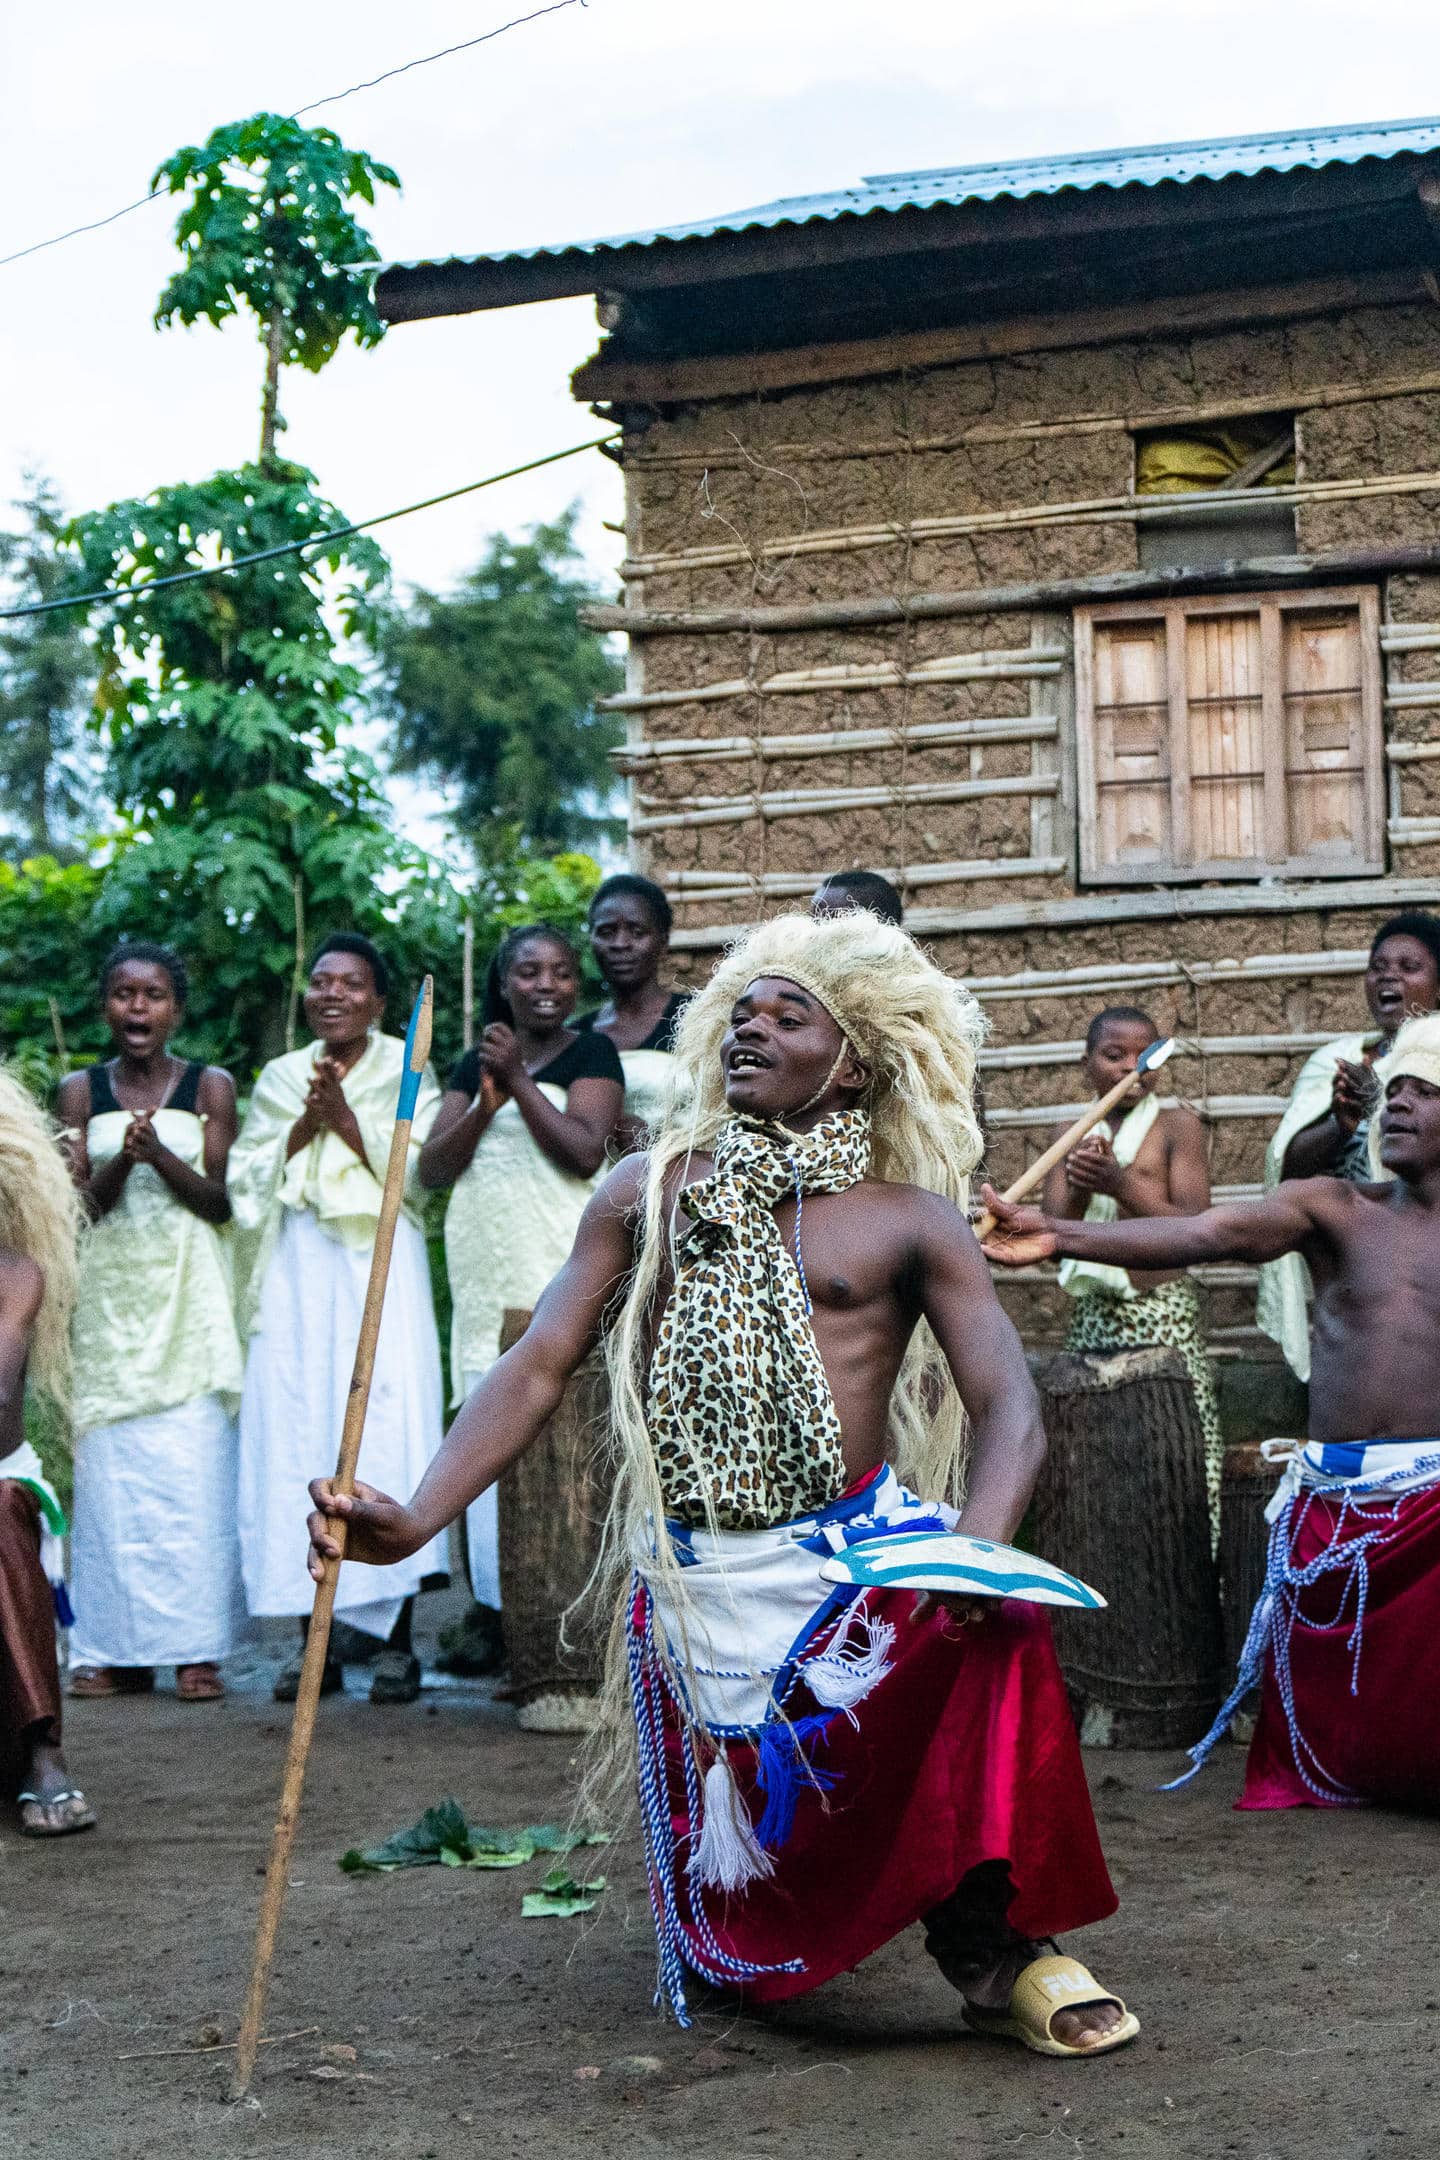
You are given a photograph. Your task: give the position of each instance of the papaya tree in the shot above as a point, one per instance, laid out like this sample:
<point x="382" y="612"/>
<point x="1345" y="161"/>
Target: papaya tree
<point x="267" y="225"/>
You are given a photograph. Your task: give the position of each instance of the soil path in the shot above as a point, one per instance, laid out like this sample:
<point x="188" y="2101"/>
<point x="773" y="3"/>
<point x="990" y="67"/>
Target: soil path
<point x="1283" y="1966"/>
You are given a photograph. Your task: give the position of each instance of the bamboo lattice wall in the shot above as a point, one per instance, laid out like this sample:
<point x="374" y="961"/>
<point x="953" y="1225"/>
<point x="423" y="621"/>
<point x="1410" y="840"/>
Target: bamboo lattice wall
<point x="939" y="744"/>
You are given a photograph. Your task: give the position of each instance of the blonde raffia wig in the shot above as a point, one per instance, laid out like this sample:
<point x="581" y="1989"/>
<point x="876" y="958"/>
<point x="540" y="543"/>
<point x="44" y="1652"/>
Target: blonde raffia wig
<point x="40" y="1218"/>
<point x="1416" y="1050"/>
<point x="918" y="1032"/>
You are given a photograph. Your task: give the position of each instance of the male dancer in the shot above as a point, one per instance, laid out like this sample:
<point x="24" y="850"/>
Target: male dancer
<point x="1345" y="1630"/>
<point x="771" y="1274"/>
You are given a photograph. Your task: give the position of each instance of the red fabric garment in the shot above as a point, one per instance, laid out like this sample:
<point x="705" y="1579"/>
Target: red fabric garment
<point x="29" y="1680"/>
<point x="965" y="1752"/>
<point x="1383" y="1742"/>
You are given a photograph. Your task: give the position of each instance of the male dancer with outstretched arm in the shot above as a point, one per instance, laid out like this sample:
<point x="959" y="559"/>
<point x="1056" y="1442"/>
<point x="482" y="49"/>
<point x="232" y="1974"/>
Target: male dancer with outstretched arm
<point x="1347" y="1632"/>
<point x="793" y="1301"/>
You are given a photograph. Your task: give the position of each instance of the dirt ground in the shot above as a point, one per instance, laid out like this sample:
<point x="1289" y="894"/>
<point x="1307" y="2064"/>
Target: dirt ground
<point x="1282" y="1965"/>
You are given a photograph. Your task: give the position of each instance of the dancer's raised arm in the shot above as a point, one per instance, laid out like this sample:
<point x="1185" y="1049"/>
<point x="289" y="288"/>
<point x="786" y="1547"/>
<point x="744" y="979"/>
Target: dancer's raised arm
<point x="509" y="1409"/>
<point x="1248" y="1230"/>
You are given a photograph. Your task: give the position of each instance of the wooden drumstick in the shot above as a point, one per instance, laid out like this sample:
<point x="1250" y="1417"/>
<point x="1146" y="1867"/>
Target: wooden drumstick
<point x="317" y="1641"/>
<point x="1151" y="1057"/>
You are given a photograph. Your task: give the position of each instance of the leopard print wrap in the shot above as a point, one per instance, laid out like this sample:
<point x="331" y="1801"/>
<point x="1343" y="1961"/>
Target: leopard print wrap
<point x="739" y="1407"/>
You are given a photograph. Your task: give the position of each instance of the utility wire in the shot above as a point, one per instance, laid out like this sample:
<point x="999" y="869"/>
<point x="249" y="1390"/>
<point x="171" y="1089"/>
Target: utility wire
<point x="555" y="8"/>
<point x="294" y="547"/>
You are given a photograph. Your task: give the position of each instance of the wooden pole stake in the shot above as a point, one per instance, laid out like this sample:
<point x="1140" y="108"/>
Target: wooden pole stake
<point x="1156" y="1054"/>
<point x="317" y="1642"/>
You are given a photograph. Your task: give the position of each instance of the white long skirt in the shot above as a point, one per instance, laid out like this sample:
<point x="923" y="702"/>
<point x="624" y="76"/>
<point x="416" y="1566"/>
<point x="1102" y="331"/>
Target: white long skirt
<point x="482" y="1532"/>
<point x="154" y="1558"/>
<point x="297" y="1379"/>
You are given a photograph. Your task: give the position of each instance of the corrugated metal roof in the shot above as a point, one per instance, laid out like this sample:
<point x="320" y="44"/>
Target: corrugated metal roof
<point x="1220" y="158"/>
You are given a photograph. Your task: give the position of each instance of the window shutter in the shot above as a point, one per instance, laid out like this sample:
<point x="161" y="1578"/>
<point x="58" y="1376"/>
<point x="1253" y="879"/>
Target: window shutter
<point x="1224" y="722"/>
<point x="1131" y="824"/>
<point x="1325" y="735"/>
<point x="1234" y="736"/>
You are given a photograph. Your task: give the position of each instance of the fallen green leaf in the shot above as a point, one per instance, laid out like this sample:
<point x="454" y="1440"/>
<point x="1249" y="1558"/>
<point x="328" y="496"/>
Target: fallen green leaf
<point x="443" y="1837"/>
<point x="559" y="1896"/>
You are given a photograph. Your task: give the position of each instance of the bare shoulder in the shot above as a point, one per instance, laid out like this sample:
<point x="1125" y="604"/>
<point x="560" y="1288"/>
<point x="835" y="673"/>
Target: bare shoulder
<point x="623" y="1189"/>
<point x="1178" y="1122"/>
<point x="73" y="1100"/>
<point x="22" y="1285"/>
<point x="926" y="1220"/>
<point x="216" y="1090"/>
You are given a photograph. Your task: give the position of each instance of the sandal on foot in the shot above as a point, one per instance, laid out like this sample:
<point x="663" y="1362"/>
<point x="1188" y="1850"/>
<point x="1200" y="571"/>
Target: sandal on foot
<point x="397" y="1677"/>
<point x="287" y="1684"/>
<point x="199" y="1683"/>
<point x="60" y="1816"/>
<point x="1040" y="1993"/>
<point x="97" y="1680"/>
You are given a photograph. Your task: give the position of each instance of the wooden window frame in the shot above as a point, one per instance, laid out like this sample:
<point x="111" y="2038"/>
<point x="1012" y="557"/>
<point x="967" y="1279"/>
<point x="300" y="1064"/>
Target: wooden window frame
<point x="1369" y="857"/>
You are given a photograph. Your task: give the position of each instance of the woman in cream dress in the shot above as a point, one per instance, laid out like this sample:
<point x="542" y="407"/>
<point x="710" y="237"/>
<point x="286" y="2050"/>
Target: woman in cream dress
<point x="521" y="1136"/>
<point x="154" y="1555"/>
<point x="305" y="1184"/>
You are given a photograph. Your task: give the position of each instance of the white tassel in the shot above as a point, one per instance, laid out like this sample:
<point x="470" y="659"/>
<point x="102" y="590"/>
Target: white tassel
<point x="845" y="1674"/>
<point x="726" y="1856"/>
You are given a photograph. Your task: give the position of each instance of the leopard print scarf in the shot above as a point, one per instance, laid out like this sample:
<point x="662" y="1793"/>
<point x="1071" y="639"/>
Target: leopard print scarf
<point x="740" y="1410"/>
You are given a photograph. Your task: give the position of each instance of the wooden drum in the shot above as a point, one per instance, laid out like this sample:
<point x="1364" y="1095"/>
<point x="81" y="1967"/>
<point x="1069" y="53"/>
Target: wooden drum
<point x="553" y="1504"/>
<point x="1121" y="1503"/>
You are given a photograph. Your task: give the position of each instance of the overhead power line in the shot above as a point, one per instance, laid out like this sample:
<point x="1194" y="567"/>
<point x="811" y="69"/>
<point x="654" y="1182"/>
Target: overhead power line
<point x="118" y="593"/>
<point x="556" y="7"/>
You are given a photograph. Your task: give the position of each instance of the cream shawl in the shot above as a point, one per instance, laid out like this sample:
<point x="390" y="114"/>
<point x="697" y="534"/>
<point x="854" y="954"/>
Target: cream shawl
<point x="327" y="1177"/>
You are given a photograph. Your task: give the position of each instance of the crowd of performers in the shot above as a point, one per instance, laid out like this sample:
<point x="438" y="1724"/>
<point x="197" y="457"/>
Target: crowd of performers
<point x="758" y="1200"/>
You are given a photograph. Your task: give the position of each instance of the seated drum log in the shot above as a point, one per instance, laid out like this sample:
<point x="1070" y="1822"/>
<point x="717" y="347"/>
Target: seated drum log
<point x="553" y="1503"/>
<point x="1121" y="1503"/>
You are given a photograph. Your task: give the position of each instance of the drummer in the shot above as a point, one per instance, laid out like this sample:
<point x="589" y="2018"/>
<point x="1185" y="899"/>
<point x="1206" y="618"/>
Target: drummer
<point x="1146" y="1158"/>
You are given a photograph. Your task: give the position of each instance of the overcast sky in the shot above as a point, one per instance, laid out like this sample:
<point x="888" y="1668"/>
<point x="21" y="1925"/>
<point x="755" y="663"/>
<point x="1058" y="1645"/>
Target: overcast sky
<point x="600" y="119"/>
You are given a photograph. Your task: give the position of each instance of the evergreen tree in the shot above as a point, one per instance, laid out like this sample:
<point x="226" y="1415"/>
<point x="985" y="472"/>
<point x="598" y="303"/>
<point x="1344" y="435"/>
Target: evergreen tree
<point x="48" y="768"/>
<point x="493" y="691"/>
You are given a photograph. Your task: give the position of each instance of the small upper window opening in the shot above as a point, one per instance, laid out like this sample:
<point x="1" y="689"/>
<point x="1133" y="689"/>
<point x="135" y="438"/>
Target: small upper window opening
<point x="1240" y="467"/>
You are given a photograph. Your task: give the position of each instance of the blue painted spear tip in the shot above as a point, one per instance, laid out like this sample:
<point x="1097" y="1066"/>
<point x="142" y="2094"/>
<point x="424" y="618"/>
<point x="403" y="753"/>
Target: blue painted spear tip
<point x="417" y="1049"/>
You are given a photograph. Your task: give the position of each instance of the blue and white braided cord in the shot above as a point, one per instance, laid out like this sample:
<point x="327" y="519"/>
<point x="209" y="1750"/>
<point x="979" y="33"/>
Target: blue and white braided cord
<point x="1277" y="1614"/>
<point x="649" y="1686"/>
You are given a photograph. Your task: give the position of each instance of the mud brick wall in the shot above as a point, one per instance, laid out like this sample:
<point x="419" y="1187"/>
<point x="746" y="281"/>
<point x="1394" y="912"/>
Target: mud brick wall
<point x="830" y="495"/>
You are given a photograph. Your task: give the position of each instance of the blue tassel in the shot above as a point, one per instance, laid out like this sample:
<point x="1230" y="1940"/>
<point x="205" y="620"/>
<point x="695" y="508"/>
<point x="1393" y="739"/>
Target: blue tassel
<point x="64" y="1610"/>
<point x="780" y="1768"/>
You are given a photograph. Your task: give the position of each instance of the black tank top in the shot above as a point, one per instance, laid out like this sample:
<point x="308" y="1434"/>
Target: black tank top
<point x="185" y="1097"/>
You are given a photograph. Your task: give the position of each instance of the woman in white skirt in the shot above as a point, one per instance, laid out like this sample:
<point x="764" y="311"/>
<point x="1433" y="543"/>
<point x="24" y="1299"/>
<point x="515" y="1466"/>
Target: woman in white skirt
<point x="521" y="1135"/>
<point x="305" y="1184"/>
<point x="155" y="1573"/>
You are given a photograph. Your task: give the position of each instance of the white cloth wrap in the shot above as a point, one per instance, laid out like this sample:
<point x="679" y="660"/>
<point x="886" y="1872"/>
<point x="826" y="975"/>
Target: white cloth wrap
<point x="297" y="1383"/>
<point x="24" y="1467"/>
<point x="482" y="1532"/>
<point x="154" y="1556"/>
<point x="1081" y="1278"/>
<point x="753" y="1596"/>
<point x="1401" y="1466"/>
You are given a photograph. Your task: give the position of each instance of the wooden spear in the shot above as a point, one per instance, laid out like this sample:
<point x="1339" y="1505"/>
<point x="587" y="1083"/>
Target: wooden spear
<point x="317" y="1642"/>
<point x="1152" y="1056"/>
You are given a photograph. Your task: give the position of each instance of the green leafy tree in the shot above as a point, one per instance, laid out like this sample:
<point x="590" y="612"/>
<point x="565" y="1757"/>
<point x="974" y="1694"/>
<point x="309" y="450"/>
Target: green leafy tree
<point x="251" y="821"/>
<point x="493" y="691"/>
<point x="267" y="225"/>
<point x="47" y="762"/>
